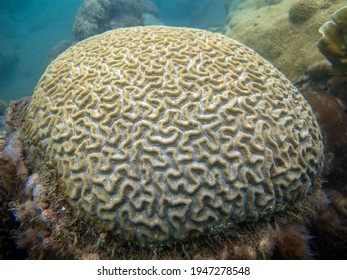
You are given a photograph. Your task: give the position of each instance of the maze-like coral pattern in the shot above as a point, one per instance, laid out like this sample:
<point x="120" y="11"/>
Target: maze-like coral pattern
<point x="159" y="133"/>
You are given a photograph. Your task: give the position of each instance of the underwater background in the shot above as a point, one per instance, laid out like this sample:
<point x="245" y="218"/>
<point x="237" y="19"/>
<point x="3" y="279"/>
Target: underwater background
<point x="30" y="29"/>
<point x="305" y="39"/>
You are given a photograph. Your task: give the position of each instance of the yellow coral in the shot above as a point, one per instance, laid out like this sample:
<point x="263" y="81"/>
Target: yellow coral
<point x="160" y="133"/>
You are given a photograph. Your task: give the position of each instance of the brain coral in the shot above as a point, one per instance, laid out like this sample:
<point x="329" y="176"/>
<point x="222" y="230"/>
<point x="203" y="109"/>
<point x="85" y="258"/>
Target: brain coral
<point x="160" y="133"/>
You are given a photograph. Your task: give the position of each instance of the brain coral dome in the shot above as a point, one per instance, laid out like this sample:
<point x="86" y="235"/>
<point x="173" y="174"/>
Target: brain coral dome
<point x="160" y="133"/>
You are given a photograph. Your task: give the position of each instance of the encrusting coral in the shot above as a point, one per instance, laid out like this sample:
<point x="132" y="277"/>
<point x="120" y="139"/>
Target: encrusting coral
<point x="158" y="134"/>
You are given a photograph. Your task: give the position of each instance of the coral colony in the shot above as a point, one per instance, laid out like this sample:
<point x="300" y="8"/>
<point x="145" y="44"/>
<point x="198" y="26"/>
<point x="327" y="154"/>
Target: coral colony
<point x="161" y="135"/>
<point x="178" y="143"/>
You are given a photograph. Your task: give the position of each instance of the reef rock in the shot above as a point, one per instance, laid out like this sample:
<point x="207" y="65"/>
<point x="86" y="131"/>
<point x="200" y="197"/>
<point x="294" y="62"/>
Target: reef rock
<point x="302" y="10"/>
<point x="330" y="229"/>
<point x="285" y="32"/>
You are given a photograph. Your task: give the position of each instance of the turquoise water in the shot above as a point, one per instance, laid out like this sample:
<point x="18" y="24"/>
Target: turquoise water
<point x="30" y="29"/>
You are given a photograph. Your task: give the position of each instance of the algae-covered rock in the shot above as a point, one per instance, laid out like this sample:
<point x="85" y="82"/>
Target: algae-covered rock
<point x="302" y="10"/>
<point x="268" y="30"/>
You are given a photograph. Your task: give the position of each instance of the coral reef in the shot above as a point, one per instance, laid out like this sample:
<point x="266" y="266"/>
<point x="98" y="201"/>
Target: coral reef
<point x="13" y="175"/>
<point x="330" y="229"/>
<point x="207" y="133"/>
<point x="269" y="31"/>
<point x="8" y="247"/>
<point x="250" y="4"/>
<point x="97" y="16"/>
<point x="292" y="242"/>
<point x="302" y="10"/>
<point x="49" y="229"/>
<point x="11" y="162"/>
<point x="333" y="43"/>
<point x="320" y="71"/>
<point x="13" y="170"/>
<point x="3" y="127"/>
